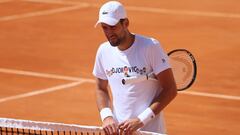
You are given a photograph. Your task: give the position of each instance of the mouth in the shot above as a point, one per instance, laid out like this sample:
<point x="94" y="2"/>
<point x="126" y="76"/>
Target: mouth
<point x="113" y="38"/>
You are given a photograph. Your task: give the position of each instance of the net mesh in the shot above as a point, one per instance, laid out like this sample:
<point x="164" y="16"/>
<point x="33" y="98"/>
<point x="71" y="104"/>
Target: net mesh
<point x="27" y="127"/>
<point x="182" y="67"/>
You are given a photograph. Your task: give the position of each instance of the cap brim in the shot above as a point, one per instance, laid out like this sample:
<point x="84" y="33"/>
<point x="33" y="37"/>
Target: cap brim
<point x="108" y="20"/>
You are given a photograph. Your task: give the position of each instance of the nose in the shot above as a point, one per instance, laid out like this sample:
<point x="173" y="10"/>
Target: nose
<point x="108" y="31"/>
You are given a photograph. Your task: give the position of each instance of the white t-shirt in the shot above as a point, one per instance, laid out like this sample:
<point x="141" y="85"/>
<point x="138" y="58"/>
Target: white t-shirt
<point x="112" y="64"/>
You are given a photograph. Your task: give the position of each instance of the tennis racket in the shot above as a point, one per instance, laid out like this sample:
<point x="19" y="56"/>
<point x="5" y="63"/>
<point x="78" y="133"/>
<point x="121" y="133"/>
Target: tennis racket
<point x="184" y="69"/>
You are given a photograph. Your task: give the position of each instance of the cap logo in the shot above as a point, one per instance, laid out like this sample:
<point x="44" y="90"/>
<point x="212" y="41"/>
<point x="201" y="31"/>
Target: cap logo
<point x="104" y="12"/>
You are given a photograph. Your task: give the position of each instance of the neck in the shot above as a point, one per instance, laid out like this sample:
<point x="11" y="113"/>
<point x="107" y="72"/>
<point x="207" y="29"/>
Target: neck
<point x="128" y="42"/>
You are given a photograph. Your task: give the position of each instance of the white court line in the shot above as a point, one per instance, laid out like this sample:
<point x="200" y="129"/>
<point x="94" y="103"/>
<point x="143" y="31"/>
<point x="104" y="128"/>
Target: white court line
<point x="56" y="2"/>
<point x="53" y="76"/>
<point x="134" y="8"/>
<point x="4" y="1"/>
<point x="185" y="12"/>
<point x="43" y="75"/>
<point x="202" y="94"/>
<point x="42" y="91"/>
<point x="152" y="10"/>
<point x="44" y="12"/>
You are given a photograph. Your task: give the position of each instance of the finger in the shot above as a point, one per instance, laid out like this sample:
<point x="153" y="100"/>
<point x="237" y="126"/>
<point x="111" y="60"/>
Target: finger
<point x="121" y="124"/>
<point x="120" y="131"/>
<point x="136" y="128"/>
<point x="128" y="129"/>
<point x="125" y="125"/>
<point x="114" y="129"/>
<point x="110" y="129"/>
<point x="105" y="129"/>
<point x="126" y="132"/>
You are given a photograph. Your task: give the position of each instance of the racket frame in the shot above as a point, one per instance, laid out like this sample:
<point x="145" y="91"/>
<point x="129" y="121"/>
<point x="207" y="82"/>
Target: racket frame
<point x="194" y="67"/>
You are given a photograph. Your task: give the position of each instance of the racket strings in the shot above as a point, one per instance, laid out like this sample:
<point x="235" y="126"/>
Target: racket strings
<point x="182" y="67"/>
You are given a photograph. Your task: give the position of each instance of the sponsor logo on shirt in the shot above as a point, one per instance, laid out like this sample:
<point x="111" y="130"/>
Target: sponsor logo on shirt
<point x="125" y="70"/>
<point x="104" y="12"/>
<point x="163" y="60"/>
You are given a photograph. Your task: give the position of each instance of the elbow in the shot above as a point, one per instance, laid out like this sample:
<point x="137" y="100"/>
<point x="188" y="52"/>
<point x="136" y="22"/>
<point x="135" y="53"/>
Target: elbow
<point x="174" y="92"/>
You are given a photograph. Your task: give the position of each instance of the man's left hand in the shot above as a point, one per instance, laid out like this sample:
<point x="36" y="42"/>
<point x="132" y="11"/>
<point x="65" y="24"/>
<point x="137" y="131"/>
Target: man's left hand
<point x="129" y="126"/>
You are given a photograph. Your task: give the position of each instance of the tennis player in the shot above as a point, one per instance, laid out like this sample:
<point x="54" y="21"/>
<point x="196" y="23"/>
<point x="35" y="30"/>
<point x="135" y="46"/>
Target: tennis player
<point x="136" y="106"/>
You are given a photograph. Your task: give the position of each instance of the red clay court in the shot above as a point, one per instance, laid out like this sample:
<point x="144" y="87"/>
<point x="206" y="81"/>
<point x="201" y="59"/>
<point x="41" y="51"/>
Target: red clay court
<point x="47" y="52"/>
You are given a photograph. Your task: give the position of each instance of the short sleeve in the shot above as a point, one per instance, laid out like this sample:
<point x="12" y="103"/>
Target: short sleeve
<point x="98" y="70"/>
<point x="158" y="58"/>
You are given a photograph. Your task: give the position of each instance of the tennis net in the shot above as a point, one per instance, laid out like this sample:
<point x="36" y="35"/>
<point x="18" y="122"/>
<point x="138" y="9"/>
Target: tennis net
<point x="27" y="127"/>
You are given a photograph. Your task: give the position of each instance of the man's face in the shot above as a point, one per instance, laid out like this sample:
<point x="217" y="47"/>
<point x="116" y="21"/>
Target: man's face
<point x="114" y="34"/>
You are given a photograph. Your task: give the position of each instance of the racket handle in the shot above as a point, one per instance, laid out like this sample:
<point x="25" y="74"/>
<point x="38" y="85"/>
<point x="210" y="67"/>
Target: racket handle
<point x="134" y="79"/>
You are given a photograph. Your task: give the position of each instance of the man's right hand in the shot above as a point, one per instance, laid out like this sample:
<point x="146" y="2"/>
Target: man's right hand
<point x="110" y="126"/>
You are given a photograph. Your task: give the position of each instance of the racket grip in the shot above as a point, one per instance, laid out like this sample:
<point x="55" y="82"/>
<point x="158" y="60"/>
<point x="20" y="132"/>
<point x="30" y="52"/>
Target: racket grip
<point x="134" y="79"/>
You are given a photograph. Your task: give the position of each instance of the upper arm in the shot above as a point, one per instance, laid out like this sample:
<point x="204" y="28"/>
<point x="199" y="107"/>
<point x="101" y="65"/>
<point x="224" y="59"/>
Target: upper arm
<point x="166" y="79"/>
<point x="160" y="65"/>
<point x="102" y="84"/>
<point x="102" y="95"/>
<point x="98" y="69"/>
<point x="168" y="92"/>
<point x="157" y="58"/>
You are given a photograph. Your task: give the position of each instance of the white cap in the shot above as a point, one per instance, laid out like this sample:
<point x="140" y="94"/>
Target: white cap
<point x="111" y="13"/>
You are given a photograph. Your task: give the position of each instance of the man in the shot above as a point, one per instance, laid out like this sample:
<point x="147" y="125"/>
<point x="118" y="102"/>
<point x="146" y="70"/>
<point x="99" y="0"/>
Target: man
<point x="138" y="105"/>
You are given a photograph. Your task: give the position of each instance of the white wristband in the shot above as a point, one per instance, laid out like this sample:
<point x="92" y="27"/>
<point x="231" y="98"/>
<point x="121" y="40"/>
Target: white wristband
<point x="105" y="112"/>
<point x="146" y="116"/>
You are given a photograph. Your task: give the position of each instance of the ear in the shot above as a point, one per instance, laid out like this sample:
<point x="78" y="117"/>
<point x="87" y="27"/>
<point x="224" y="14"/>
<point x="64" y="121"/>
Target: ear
<point x="126" y="22"/>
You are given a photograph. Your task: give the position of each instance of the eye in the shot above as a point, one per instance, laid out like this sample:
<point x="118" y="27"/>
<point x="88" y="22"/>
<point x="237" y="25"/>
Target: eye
<point x="104" y="27"/>
<point x="113" y="27"/>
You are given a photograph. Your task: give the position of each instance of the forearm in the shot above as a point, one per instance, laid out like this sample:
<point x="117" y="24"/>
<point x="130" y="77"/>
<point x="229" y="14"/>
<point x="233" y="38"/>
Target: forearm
<point x="103" y="99"/>
<point x="168" y="93"/>
<point x="104" y="104"/>
<point x="164" y="98"/>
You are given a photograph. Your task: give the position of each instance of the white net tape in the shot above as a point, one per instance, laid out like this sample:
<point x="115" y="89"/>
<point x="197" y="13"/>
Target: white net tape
<point x="50" y="126"/>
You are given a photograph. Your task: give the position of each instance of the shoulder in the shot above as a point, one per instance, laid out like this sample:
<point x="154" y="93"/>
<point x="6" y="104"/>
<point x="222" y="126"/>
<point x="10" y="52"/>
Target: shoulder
<point x="105" y="46"/>
<point x="147" y="42"/>
<point x="150" y="46"/>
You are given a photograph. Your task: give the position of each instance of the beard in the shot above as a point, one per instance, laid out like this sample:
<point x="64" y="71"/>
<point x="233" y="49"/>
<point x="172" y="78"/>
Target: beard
<point x="116" y="43"/>
<point x="114" y="40"/>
